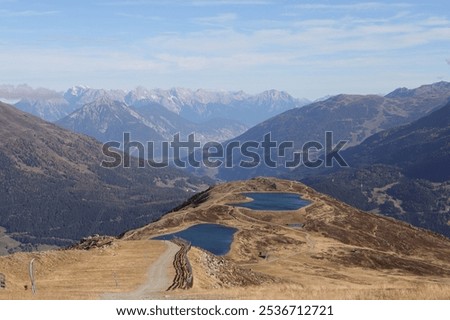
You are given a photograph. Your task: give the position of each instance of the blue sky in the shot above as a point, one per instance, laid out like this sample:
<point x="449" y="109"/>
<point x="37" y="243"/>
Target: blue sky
<point x="308" y="48"/>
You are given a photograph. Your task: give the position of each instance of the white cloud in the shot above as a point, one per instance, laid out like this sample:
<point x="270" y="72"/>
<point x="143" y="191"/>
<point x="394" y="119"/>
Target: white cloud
<point x="136" y="16"/>
<point x="196" y="3"/>
<point x="329" y="41"/>
<point x="436" y="21"/>
<point x="353" y="6"/>
<point x="229" y="2"/>
<point x="217" y="20"/>
<point x="26" y="13"/>
<point x="129" y="3"/>
<point x="307" y="39"/>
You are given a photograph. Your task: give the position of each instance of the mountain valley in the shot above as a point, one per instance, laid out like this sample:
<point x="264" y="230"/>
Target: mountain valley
<point x="54" y="190"/>
<point x="54" y="193"/>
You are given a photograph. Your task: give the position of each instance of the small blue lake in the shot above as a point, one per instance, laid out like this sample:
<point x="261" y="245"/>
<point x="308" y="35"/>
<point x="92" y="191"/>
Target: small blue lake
<point x="273" y="201"/>
<point x="215" y="238"/>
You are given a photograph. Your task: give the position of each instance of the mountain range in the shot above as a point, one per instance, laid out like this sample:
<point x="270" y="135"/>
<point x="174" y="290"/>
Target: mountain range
<point x="106" y="120"/>
<point x="351" y="118"/>
<point x="194" y="105"/>
<point x="151" y="115"/>
<point x="201" y="105"/>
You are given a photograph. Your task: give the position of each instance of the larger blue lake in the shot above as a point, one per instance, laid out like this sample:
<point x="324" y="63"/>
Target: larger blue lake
<point x="273" y="201"/>
<point x="215" y="238"/>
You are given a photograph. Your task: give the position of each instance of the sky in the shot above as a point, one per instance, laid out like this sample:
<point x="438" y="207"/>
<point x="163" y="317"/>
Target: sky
<point x="308" y="48"/>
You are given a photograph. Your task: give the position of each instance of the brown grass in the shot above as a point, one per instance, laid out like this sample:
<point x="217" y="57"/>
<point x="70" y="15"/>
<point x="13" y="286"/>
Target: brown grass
<point x="76" y="274"/>
<point x="297" y="292"/>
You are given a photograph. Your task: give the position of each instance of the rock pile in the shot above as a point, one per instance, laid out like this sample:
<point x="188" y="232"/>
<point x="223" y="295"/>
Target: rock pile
<point x="93" y="242"/>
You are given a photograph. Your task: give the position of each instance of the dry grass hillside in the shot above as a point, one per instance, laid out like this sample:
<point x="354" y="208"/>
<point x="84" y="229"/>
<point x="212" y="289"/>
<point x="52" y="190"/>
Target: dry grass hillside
<point x="338" y="253"/>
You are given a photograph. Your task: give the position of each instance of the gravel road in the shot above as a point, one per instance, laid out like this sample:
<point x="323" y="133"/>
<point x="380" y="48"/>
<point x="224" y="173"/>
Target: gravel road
<point x="158" y="279"/>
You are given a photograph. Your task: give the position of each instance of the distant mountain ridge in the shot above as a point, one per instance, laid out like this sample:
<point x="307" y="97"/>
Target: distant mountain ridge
<point x="349" y="117"/>
<point x="152" y="115"/>
<point x="202" y="105"/>
<point x="107" y="120"/>
<point x="194" y="105"/>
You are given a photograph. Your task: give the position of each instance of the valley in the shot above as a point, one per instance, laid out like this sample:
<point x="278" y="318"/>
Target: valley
<point x="54" y="190"/>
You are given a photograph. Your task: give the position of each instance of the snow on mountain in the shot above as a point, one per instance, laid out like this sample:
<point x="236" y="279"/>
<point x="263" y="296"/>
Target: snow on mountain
<point x="50" y="109"/>
<point x="81" y="95"/>
<point x="202" y="105"/>
<point x="44" y="103"/>
<point x="195" y="105"/>
<point x="107" y="120"/>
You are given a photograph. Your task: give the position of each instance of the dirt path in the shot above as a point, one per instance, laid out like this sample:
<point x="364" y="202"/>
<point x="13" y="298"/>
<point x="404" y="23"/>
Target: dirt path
<point x="158" y="279"/>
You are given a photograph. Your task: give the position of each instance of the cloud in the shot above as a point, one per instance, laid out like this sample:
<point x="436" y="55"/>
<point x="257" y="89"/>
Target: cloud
<point x="218" y="20"/>
<point x="138" y="16"/>
<point x="306" y="39"/>
<point x="229" y="2"/>
<point x="196" y="3"/>
<point x="25" y="13"/>
<point x="436" y="21"/>
<point x="448" y="61"/>
<point x="128" y="3"/>
<point x="354" y="6"/>
<point x="330" y="42"/>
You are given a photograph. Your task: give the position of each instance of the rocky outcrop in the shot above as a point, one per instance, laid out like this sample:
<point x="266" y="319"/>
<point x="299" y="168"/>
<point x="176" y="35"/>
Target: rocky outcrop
<point x="92" y="242"/>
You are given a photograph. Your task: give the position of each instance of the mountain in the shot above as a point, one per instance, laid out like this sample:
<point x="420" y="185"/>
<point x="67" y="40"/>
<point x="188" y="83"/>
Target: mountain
<point x="324" y="250"/>
<point x="53" y="106"/>
<point x="197" y="106"/>
<point x="44" y="103"/>
<point x="50" y="109"/>
<point x="23" y="91"/>
<point x="402" y="172"/>
<point x="107" y="120"/>
<point x="212" y="116"/>
<point x="201" y="105"/>
<point x="168" y="124"/>
<point x="79" y="96"/>
<point x="421" y="148"/>
<point x="352" y="118"/>
<point x="53" y="189"/>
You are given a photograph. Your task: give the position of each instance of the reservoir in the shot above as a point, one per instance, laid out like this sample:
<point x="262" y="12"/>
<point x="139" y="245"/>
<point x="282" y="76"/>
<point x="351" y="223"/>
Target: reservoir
<point x="273" y="201"/>
<point x="215" y="238"/>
